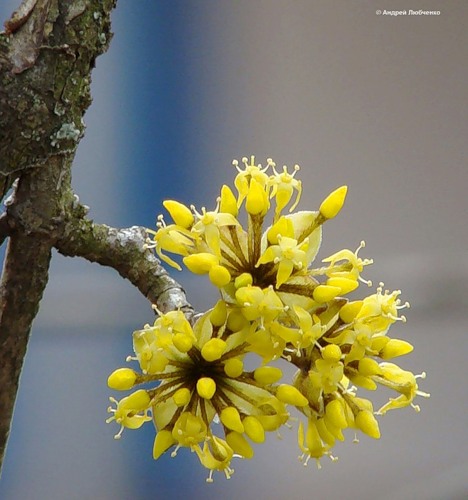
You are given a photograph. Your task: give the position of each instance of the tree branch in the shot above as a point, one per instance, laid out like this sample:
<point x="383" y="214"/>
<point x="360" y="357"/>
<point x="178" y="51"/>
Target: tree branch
<point x="123" y="250"/>
<point x="46" y="58"/>
<point x="25" y="275"/>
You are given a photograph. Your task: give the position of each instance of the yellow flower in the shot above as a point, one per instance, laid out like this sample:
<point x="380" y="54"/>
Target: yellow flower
<point x="275" y="304"/>
<point x="195" y="385"/>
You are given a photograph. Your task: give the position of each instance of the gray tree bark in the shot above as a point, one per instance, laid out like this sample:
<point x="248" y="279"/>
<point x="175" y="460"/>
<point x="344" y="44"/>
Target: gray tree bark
<point x="47" y="53"/>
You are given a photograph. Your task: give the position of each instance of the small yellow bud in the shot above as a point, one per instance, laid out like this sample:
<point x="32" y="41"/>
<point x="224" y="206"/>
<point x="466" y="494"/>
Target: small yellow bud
<point x="350" y="310"/>
<point x="206" y="387"/>
<point x="257" y="200"/>
<point x="331" y="352"/>
<point x="162" y="443"/>
<point x="233" y="367"/>
<point x="368" y="367"/>
<point x="324" y="293"/>
<point x="290" y="395"/>
<point x="200" y="263"/>
<point x="254" y="429"/>
<point x="334" y="412"/>
<point x="333" y="203"/>
<point x="283" y="227"/>
<point x="362" y="381"/>
<point x="313" y="440"/>
<point x="180" y="214"/>
<point x="367" y="423"/>
<point x="236" y="321"/>
<point x="267" y="375"/>
<point x="137" y="401"/>
<point x="395" y="348"/>
<point x="228" y="202"/>
<point x="244" y="279"/>
<point x="182" y="396"/>
<point x="182" y="342"/>
<point x="231" y="419"/>
<point x="378" y="343"/>
<point x="324" y="432"/>
<point x="219" y="276"/>
<point x="219" y="313"/>
<point x="213" y="349"/>
<point x="334" y="429"/>
<point x="347" y="285"/>
<point x="239" y="445"/>
<point x="122" y="379"/>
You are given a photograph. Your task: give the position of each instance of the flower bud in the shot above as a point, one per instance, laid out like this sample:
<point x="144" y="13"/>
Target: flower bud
<point x="233" y="367"/>
<point x="162" y="443"/>
<point x="244" y="279"/>
<point x="228" y="202"/>
<point x="206" y="387"/>
<point x="350" y="310"/>
<point x="331" y="352"/>
<point x="122" y="379"/>
<point x="254" y="429"/>
<point x="137" y="401"/>
<point x="257" y="200"/>
<point x="182" y="342"/>
<point x="325" y="293"/>
<point x="219" y="313"/>
<point x="334" y="412"/>
<point x="367" y="423"/>
<point x="267" y="375"/>
<point x="213" y="349"/>
<point x="333" y="203"/>
<point x="182" y="396"/>
<point x="346" y="285"/>
<point x="219" y="276"/>
<point x="200" y="263"/>
<point x="395" y="348"/>
<point x="230" y="417"/>
<point x="290" y="395"/>
<point x="239" y="445"/>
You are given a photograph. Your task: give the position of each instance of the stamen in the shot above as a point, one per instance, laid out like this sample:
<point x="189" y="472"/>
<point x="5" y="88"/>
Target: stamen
<point x="366" y="282"/>
<point x="174" y="453"/>
<point x="119" y="434"/>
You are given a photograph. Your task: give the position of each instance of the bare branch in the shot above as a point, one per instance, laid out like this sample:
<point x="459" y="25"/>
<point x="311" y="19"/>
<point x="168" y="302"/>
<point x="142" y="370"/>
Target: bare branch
<point x="123" y="250"/>
<point x="20" y="293"/>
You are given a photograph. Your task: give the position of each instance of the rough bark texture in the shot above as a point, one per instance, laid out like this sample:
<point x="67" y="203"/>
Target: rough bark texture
<point x="124" y="250"/>
<point x="47" y="54"/>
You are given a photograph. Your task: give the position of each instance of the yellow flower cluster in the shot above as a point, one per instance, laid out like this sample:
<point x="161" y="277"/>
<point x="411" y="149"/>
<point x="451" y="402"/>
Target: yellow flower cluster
<point x="273" y="305"/>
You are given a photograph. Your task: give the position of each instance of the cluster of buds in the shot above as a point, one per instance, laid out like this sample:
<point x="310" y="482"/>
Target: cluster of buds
<point x="274" y="305"/>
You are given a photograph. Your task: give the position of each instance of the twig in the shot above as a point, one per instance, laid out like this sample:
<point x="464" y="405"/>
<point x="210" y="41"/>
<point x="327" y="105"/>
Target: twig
<point x="124" y="250"/>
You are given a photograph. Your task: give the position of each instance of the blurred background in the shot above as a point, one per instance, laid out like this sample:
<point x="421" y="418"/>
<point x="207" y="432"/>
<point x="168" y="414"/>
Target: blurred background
<point x="375" y="102"/>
